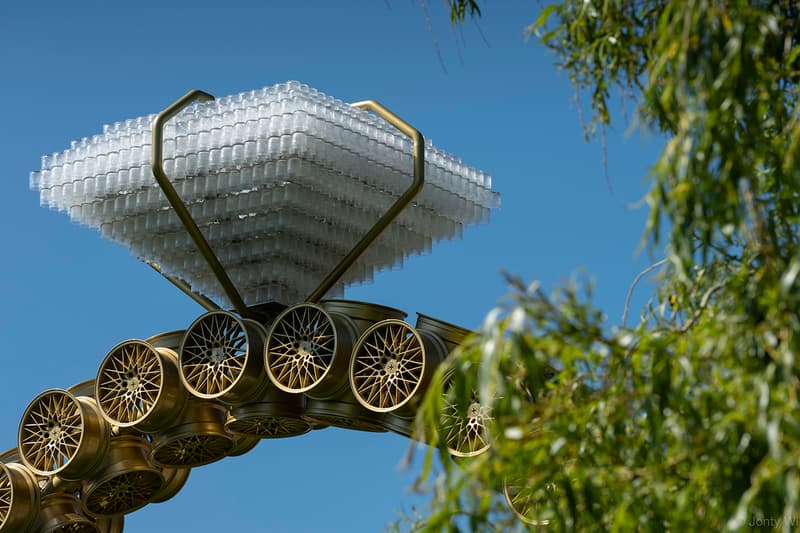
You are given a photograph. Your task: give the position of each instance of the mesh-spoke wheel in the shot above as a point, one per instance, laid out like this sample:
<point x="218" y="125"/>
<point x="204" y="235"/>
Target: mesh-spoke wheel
<point x="123" y="493"/>
<point x="61" y="434"/>
<point x="467" y="435"/>
<point x="19" y="498"/>
<point x="194" y="450"/>
<point x="139" y="386"/>
<point x="126" y="482"/>
<point x="61" y="513"/>
<point x="269" y="427"/>
<point x="220" y="357"/>
<point x="388" y="365"/>
<point x="197" y="439"/>
<point x="530" y="505"/>
<point x="6" y="495"/>
<point x="301" y="348"/>
<point x="51" y="433"/>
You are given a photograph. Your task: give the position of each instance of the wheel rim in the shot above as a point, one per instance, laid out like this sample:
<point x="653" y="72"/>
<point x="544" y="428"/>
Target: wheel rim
<point x="129" y="383"/>
<point x="194" y="450"/>
<point x="301" y="348"/>
<point x="388" y="365"/>
<point x="127" y="480"/>
<point x="467" y="435"/>
<point x="51" y="432"/>
<point x="526" y="503"/>
<point x="61" y="513"/>
<point x="6" y="495"/>
<point x="213" y="354"/>
<point x="19" y="497"/>
<point x="269" y="427"/>
<point x="124" y="493"/>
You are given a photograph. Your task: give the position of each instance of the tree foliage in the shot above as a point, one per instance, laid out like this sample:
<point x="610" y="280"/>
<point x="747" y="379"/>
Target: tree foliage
<point x="687" y="420"/>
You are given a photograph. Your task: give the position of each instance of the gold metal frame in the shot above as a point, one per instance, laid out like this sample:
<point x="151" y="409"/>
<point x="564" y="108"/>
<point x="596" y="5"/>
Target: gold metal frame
<point x="396" y="208"/>
<point x="178" y="205"/>
<point x="205" y="249"/>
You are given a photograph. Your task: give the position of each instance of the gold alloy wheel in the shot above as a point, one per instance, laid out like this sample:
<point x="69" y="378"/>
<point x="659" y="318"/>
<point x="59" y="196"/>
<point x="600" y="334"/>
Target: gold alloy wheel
<point x="19" y="498"/>
<point x="138" y="386"/>
<point x="124" y="493"/>
<point x="264" y="426"/>
<point x="126" y="482"/>
<point x="466" y="431"/>
<point x="526" y="503"/>
<point x="198" y="438"/>
<point x="301" y="348"/>
<point x="61" y="513"/>
<point x="388" y="366"/>
<point x="62" y="434"/>
<point x="194" y="450"/>
<point x="221" y="357"/>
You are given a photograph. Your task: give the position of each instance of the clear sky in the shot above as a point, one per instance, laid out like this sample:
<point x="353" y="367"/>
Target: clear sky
<point x="493" y="98"/>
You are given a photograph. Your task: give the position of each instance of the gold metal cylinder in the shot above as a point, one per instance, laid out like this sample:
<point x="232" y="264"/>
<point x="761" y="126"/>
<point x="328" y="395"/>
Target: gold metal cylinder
<point x="126" y="482"/>
<point x="61" y="511"/>
<point x="167" y="339"/>
<point x="451" y="335"/>
<point x="276" y="414"/>
<point x="174" y="480"/>
<point x="243" y="444"/>
<point x="19" y="498"/>
<point x="198" y="438"/>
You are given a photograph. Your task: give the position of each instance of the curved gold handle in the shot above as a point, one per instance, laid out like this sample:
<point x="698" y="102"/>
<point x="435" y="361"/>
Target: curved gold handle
<point x="177" y="204"/>
<point x="396" y="208"/>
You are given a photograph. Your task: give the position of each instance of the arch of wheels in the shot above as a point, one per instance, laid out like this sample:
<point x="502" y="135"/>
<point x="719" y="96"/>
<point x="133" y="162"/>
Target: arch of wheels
<point x="90" y="454"/>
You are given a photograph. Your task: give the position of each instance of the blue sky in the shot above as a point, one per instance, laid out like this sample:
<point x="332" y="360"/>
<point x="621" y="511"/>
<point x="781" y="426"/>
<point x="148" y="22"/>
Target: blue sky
<point x="494" y="99"/>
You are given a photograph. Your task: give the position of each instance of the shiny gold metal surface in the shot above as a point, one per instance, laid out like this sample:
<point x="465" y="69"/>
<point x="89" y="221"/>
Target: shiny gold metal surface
<point x="177" y="204"/>
<point x="243" y="444"/>
<point x="198" y="438"/>
<point x="126" y="482"/>
<point x="84" y="388"/>
<point x="395" y="209"/>
<point x="167" y="339"/>
<point x="392" y="365"/>
<point x="401" y="425"/>
<point x="64" y="435"/>
<point x="19" y="498"/>
<point x="308" y="351"/>
<point x="10" y="456"/>
<point x="111" y="524"/>
<point x="221" y="357"/>
<point x="174" y="480"/>
<point x="527" y="503"/>
<point x="451" y="335"/>
<point x="61" y="513"/>
<point x="343" y="414"/>
<point x="363" y="314"/>
<point x="276" y="415"/>
<point x="139" y="386"/>
<point x="309" y="346"/>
